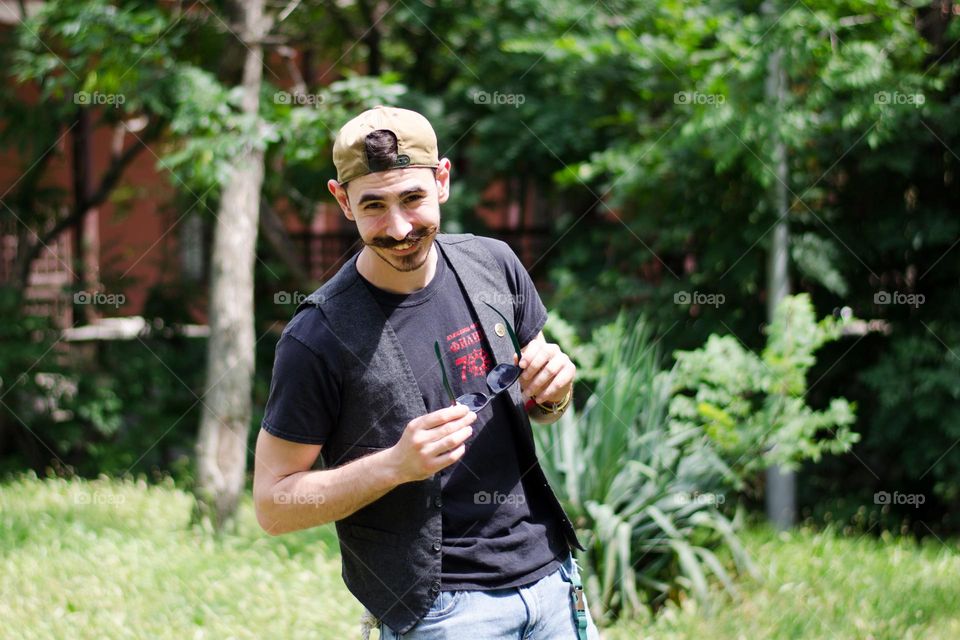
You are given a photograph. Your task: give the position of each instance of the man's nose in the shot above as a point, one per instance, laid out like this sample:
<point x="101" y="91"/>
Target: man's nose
<point x="397" y="224"/>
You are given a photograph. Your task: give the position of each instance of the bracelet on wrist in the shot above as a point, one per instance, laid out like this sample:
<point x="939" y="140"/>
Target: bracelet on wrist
<point x="556" y="407"/>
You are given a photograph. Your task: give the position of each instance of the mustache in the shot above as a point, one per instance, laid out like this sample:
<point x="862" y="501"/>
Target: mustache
<point x="414" y="236"/>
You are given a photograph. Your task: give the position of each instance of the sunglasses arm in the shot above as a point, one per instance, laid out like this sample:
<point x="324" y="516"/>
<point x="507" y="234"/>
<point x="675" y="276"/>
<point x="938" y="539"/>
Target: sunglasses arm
<point x="443" y="372"/>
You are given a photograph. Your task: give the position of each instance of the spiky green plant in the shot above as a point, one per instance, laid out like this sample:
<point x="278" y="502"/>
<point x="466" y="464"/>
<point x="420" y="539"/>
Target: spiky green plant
<point x="645" y="499"/>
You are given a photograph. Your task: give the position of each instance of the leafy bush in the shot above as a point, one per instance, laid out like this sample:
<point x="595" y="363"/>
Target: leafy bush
<point x="647" y="466"/>
<point x="109" y="407"/>
<point x="644" y="497"/>
<point x="753" y="408"/>
<point x="911" y="432"/>
<point x="26" y="400"/>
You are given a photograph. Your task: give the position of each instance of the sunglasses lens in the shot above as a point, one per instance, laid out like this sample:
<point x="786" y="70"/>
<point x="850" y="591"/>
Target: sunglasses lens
<point x="502" y="376"/>
<point x="474" y="401"/>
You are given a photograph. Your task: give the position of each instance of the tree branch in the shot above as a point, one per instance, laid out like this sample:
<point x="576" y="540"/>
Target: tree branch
<point x="108" y="182"/>
<point x="290" y="8"/>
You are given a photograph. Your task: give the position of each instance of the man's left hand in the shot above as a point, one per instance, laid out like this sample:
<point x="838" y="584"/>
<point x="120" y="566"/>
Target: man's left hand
<point x="548" y="372"/>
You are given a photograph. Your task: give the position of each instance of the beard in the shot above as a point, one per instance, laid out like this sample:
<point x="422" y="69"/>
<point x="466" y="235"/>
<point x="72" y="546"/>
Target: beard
<point x="423" y="237"/>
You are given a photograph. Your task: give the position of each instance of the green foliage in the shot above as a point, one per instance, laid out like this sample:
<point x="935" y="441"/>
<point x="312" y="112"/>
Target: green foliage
<point x="916" y="383"/>
<point x="27" y="340"/>
<point x="671" y="98"/>
<point x="91" y="65"/>
<point x="691" y="132"/>
<point x="644" y="497"/>
<point x="210" y="130"/>
<point x="124" y="53"/>
<point x="753" y="407"/>
<point x="646" y="467"/>
<point x="645" y="131"/>
<point x="112" y="407"/>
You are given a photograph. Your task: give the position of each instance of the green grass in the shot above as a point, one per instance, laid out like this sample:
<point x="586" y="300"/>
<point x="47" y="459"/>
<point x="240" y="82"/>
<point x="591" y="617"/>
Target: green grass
<point x="112" y="559"/>
<point x="116" y="559"/>
<point x="822" y="585"/>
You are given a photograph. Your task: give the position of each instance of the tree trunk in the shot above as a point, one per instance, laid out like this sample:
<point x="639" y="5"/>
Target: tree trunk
<point x="81" y="163"/>
<point x="225" y="421"/>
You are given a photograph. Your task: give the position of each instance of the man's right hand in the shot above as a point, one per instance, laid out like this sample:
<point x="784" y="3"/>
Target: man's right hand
<point x="432" y="442"/>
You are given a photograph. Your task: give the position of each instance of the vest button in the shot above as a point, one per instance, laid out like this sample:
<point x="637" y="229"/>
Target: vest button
<point x="436" y="587"/>
<point x="437" y="502"/>
<point x="437" y="546"/>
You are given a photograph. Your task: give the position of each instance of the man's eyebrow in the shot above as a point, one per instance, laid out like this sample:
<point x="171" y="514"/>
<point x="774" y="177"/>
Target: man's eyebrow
<point x="377" y="195"/>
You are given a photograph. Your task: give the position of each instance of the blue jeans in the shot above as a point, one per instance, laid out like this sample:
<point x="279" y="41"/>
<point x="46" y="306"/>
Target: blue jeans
<point x="542" y="610"/>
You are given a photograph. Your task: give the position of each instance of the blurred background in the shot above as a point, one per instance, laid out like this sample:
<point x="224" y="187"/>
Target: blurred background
<point x="742" y="217"/>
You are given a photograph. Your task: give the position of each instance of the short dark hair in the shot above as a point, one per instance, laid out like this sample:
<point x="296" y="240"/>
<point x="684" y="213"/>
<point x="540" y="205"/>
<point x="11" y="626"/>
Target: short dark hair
<point x="380" y="147"/>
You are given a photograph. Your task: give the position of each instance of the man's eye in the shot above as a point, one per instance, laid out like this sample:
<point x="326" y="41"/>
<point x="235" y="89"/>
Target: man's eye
<point x="413" y="199"/>
<point x="372" y="205"/>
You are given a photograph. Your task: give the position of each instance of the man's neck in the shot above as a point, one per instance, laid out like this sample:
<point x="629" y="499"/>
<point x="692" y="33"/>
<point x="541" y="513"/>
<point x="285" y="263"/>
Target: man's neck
<point x="381" y="275"/>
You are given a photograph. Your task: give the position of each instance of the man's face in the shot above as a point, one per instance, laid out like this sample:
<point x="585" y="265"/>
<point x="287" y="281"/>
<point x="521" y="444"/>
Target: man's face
<point x="397" y="212"/>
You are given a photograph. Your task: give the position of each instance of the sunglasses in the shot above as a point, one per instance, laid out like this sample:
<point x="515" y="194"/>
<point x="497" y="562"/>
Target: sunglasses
<point x="500" y="378"/>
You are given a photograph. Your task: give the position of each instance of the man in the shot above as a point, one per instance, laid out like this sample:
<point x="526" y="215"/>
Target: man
<point x="447" y="525"/>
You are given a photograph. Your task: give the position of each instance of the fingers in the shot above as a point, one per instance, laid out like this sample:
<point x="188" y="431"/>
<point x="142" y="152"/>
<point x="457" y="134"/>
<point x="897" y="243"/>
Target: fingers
<point x="440" y="416"/>
<point x="423" y="433"/>
<point x="535" y="354"/>
<point x="555" y="389"/>
<point x="535" y="360"/>
<point x="548" y="372"/>
<point x="449" y="442"/>
<point x="437" y="441"/>
<point x="452" y="456"/>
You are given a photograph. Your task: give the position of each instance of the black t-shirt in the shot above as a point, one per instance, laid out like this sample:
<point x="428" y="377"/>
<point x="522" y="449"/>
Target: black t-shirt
<point x="497" y="530"/>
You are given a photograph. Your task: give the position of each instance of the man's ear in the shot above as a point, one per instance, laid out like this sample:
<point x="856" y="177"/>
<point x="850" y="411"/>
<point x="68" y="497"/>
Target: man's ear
<point x="339" y="192"/>
<point x="443" y="180"/>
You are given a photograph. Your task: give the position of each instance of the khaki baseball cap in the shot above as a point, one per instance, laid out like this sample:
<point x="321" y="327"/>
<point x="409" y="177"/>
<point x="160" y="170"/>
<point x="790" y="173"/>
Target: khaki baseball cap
<point x="416" y="142"/>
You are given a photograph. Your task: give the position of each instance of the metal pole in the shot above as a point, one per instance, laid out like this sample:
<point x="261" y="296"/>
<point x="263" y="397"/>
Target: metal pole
<point x="781" y="493"/>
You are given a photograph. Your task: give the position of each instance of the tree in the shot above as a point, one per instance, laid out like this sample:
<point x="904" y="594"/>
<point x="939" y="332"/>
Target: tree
<point x="225" y="424"/>
<point x="84" y="82"/>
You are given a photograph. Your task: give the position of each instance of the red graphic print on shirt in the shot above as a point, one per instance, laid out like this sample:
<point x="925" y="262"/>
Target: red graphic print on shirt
<point x="472" y="359"/>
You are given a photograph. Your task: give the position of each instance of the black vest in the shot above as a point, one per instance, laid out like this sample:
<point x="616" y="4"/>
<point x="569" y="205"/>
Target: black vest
<point x="390" y="549"/>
